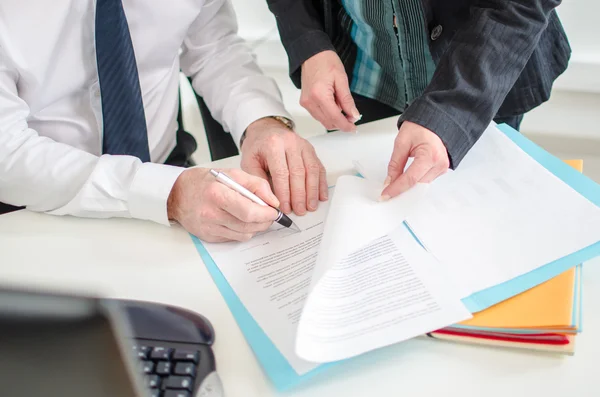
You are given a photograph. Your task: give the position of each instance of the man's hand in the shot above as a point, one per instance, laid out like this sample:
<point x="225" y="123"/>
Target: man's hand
<point x="298" y="177"/>
<point x="216" y="213"/>
<point x="430" y="159"/>
<point x="326" y="93"/>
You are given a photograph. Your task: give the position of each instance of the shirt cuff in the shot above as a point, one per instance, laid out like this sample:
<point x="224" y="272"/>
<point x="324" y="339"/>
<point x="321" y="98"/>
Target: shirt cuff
<point x="253" y="110"/>
<point x="150" y="191"/>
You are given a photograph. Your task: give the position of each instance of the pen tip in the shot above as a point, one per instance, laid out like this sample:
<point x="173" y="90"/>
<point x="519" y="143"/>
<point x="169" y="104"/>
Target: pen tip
<point x="295" y="227"/>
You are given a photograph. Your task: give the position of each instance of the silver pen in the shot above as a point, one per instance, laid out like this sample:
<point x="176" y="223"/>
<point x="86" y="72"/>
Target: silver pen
<point x="282" y="218"/>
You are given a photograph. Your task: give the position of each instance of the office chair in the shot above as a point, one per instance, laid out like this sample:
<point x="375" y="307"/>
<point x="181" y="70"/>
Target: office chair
<point x="220" y="143"/>
<point x="5" y="208"/>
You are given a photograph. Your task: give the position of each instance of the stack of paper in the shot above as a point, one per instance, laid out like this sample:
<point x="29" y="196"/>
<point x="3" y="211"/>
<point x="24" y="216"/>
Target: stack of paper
<point x="546" y="317"/>
<point x="446" y="260"/>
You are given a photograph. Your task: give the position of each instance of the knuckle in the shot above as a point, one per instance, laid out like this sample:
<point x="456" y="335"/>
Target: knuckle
<point x="245" y="163"/>
<point x="393" y="165"/>
<point x="440" y="160"/>
<point x="441" y="167"/>
<point x="207" y="230"/>
<point x="213" y="192"/>
<point x="314" y="167"/>
<point x="289" y="137"/>
<point x="400" y="141"/>
<point x="299" y="196"/>
<point x="205" y="213"/>
<point x="315" y="92"/>
<point x="297" y="170"/>
<point x="263" y="184"/>
<point x="280" y="173"/>
<point x="305" y="101"/>
<point x="411" y="180"/>
<point x="445" y="163"/>
<point x="346" y="98"/>
<point x="273" y="140"/>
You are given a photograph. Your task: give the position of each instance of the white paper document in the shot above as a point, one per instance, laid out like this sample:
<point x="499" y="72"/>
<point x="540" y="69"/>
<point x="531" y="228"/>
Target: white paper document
<point x="356" y="217"/>
<point x="361" y="251"/>
<point x="499" y="215"/>
<point x="384" y="293"/>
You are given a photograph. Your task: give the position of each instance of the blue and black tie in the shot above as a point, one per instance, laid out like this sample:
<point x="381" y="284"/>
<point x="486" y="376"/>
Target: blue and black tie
<point x="125" y="130"/>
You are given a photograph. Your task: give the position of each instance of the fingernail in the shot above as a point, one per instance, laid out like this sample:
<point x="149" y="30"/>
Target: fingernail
<point x="313" y="204"/>
<point x="387" y="182"/>
<point x="384" y="197"/>
<point x="285" y="207"/>
<point x="357" y="116"/>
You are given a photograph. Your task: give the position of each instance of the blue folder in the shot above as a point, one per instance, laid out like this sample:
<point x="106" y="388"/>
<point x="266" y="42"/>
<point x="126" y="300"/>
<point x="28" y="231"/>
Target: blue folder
<point x="283" y="375"/>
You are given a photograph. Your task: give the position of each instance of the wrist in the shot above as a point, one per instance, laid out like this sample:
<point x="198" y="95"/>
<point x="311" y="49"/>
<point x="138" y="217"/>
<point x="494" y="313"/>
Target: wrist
<point x="266" y="123"/>
<point x="318" y="57"/>
<point x="174" y="199"/>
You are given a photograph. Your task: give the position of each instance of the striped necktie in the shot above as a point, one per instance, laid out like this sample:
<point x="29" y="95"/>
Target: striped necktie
<point x="125" y="130"/>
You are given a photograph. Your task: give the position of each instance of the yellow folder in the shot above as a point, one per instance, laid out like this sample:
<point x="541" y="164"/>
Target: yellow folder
<point x="547" y="306"/>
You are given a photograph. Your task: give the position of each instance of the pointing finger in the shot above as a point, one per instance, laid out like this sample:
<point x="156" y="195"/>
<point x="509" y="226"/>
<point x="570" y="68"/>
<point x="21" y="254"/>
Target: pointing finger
<point x="398" y="160"/>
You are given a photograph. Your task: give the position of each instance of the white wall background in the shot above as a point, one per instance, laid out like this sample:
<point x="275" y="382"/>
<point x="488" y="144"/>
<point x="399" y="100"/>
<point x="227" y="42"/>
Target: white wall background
<point x="573" y="110"/>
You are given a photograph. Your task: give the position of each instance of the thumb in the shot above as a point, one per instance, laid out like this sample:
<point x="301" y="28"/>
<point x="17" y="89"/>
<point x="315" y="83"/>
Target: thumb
<point x="343" y="97"/>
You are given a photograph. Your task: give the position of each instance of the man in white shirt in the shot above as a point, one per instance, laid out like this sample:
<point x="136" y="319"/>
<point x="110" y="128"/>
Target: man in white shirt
<point x="88" y="105"/>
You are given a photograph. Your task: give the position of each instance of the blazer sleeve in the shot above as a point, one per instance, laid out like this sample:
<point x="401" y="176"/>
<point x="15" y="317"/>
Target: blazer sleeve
<point x="477" y="70"/>
<point x="301" y="31"/>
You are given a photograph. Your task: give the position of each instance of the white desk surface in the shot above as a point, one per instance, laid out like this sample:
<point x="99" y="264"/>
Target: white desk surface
<point x="141" y="260"/>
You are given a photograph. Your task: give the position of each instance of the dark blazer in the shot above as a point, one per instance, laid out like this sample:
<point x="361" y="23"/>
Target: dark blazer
<point x="495" y="58"/>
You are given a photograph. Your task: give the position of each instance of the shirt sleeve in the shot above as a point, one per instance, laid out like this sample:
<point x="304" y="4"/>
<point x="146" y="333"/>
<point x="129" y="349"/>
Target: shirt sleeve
<point x="48" y="176"/>
<point x="302" y="32"/>
<point x="225" y="73"/>
<point x="477" y="70"/>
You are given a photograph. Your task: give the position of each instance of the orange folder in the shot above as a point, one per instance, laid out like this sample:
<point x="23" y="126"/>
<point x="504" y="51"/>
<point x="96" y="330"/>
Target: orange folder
<point x="545" y="311"/>
<point x="548" y="305"/>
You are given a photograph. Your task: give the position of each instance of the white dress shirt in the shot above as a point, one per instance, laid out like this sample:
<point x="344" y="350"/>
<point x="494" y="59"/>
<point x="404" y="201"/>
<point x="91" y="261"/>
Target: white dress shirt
<point x="50" y="108"/>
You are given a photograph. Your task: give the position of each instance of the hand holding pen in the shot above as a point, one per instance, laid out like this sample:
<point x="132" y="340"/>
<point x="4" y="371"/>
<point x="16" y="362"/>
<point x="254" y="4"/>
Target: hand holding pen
<point x="223" y="207"/>
<point x="282" y="218"/>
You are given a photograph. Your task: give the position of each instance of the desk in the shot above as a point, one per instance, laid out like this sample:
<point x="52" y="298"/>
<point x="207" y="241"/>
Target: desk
<point x="141" y="260"/>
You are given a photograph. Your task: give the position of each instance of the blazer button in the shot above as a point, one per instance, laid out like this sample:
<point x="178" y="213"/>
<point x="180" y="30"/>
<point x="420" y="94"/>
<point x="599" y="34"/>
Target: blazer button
<point x="436" y="32"/>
